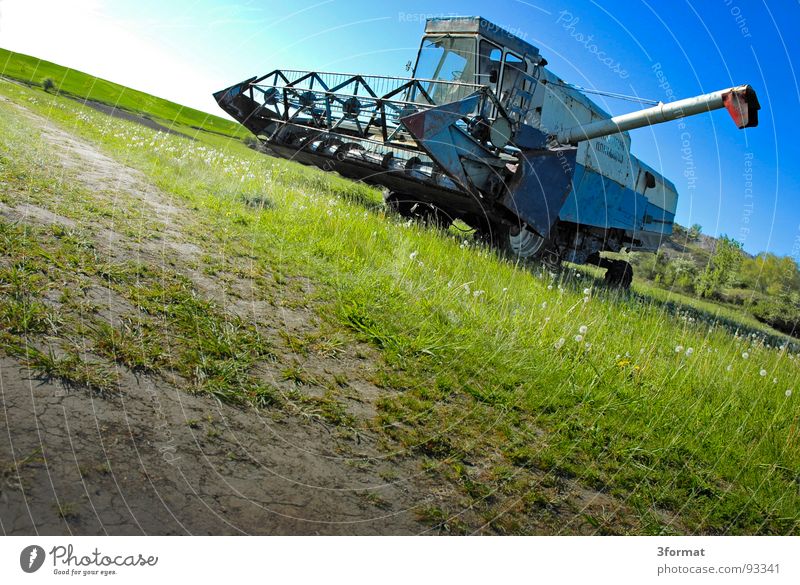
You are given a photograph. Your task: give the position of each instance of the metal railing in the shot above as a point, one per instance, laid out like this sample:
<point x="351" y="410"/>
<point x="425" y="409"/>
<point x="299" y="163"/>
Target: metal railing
<point x="364" y="106"/>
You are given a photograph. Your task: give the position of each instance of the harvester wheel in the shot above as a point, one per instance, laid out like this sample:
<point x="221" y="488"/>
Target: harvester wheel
<point x="521" y="242"/>
<point x="399" y="203"/>
<point x="410" y="208"/>
<point x="619" y="274"/>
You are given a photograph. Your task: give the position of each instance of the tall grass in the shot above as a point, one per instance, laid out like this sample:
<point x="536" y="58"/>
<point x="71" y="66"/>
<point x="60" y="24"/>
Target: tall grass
<point x="495" y="371"/>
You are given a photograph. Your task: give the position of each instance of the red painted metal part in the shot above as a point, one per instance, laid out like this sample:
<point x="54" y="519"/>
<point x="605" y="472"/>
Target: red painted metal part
<point x="742" y="104"/>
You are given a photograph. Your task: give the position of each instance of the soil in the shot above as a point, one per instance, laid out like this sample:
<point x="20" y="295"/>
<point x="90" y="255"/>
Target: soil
<point x="155" y="459"/>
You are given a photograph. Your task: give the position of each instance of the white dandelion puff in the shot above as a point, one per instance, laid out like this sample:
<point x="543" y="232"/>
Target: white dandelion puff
<point x="587" y="291"/>
<point x="579" y="338"/>
<point x="763" y="373"/>
<point x="583" y="329"/>
<point x="745" y="355"/>
<point x="689" y="351"/>
<point x="413" y="254"/>
<point x="678" y="348"/>
<point x="559" y="343"/>
<point x="789" y="392"/>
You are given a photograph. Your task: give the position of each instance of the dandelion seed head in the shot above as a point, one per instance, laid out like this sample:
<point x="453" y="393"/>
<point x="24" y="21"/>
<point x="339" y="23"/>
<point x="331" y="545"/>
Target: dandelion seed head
<point x="763" y="373"/>
<point x="789" y="392"/>
<point x="585" y="299"/>
<point x="729" y="368"/>
<point x="774" y="380"/>
<point x="583" y="329"/>
<point x="579" y="338"/>
<point x="588" y="346"/>
<point x="413" y="254"/>
<point x="559" y="343"/>
<point x="745" y="355"/>
<point x="544" y="305"/>
<point x="689" y="351"/>
<point x="678" y="348"/>
<point x="587" y="291"/>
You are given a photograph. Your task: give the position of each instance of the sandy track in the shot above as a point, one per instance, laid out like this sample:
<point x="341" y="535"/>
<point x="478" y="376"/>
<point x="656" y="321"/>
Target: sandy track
<point x="158" y="460"/>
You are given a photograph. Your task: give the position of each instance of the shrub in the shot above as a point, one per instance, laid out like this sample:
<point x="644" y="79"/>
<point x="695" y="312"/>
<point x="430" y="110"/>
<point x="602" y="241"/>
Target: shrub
<point x="779" y="314"/>
<point x="48" y="84"/>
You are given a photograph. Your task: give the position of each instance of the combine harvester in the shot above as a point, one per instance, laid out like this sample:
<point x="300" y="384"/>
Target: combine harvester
<point x="484" y="133"/>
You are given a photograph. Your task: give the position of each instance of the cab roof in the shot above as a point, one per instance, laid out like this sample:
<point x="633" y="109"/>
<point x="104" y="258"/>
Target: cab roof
<point x="479" y="25"/>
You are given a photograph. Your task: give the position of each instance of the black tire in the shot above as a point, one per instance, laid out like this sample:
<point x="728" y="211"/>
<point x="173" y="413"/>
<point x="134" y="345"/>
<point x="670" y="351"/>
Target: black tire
<point x="520" y="243"/>
<point x="399" y="203"/>
<point x="619" y="274"/>
<point x="411" y="208"/>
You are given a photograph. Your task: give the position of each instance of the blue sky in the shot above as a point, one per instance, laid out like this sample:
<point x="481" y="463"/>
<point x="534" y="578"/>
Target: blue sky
<point x="741" y="183"/>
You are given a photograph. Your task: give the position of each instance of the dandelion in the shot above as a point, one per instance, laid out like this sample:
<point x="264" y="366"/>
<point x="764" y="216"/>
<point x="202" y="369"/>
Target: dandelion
<point x="678" y="348"/>
<point x="774" y="380"/>
<point x="583" y="329"/>
<point x="689" y="351"/>
<point x="477" y="293"/>
<point x="559" y="343"/>
<point x="588" y="346"/>
<point x="579" y="338"/>
<point x="763" y="373"/>
<point x="549" y="287"/>
<point x="413" y="254"/>
<point x="585" y="299"/>
<point x="587" y="291"/>
<point x="729" y="368"/>
<point x="505" y="289"/>
<point x="745" y="355"/>
<point x="544" y="305"/>
<point x="788" y="392"/>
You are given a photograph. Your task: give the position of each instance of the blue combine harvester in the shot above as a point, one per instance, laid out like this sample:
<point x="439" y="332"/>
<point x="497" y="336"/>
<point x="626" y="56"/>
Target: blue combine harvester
<point x="485" y="133"/>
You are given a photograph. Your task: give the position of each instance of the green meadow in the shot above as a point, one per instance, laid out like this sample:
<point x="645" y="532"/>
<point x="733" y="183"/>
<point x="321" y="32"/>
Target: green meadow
<point x="506" y="382"/>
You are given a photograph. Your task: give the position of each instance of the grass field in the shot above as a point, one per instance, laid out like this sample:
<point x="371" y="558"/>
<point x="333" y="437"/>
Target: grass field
<point x="77" y="84"/>
<point x="504" y="381"/>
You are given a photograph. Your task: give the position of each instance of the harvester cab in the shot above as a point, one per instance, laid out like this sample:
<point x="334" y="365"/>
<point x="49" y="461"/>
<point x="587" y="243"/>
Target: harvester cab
<point x="483" y="132"/>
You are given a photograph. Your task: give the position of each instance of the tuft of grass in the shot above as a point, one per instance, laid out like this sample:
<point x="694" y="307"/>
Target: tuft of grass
<point x="72" y="370"/>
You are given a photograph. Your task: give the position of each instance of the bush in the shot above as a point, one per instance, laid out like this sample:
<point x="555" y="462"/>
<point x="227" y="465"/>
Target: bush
<point x="781" y="315"/>
<point x="48" y="84"/>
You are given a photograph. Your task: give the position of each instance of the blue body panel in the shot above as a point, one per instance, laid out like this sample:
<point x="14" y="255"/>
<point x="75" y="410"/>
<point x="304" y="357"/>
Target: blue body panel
<point x="598" y="201"/>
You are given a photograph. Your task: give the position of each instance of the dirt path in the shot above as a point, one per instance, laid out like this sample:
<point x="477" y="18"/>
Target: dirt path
<point x="158" y="460"/>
